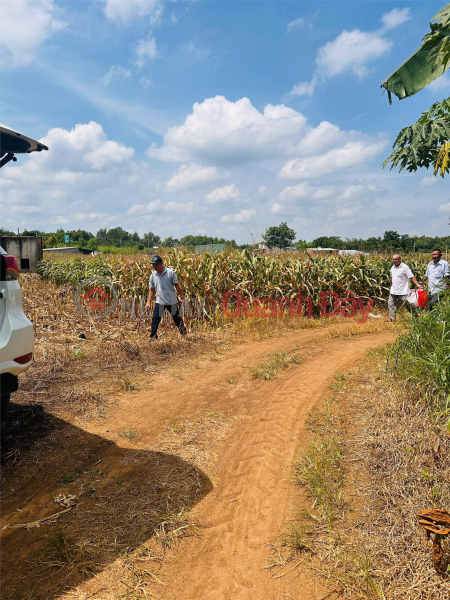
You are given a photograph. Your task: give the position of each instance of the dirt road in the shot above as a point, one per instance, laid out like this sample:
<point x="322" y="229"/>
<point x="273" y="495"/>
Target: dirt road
<point x="250" y="496"/>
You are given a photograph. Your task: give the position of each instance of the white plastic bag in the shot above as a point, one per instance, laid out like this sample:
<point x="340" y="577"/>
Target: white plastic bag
<point x="413" y="298"/>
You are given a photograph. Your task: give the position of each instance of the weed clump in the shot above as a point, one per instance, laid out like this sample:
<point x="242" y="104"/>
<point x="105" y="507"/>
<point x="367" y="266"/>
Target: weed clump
<point x="270" y="368"/>
<point x="421" y="354"/>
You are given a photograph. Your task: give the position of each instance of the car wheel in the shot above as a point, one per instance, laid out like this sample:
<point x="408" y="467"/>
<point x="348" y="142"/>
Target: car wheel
<point x="4" y="405"/>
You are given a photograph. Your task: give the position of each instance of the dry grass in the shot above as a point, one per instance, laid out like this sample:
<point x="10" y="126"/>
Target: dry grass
<point x="366" y="475"/>
<point x="79" y="377"/>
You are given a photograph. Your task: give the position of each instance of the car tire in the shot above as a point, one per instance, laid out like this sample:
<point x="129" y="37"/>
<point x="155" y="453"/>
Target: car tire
<point x="4" y="404"/>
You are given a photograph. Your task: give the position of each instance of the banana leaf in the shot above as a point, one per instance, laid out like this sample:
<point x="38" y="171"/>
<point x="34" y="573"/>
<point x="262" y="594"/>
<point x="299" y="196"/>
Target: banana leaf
<point x="428" y="63"/>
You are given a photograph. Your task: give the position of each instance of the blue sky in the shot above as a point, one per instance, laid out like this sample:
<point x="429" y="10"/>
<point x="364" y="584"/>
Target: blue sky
<point x="217" y="118"/>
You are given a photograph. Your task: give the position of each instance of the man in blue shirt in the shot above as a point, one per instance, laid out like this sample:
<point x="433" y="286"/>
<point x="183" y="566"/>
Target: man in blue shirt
<point x="163" y="283"/>
<point x="438" y="274"/>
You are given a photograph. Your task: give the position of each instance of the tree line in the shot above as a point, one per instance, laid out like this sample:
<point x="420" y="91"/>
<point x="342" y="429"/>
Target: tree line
<point x="277" y="236"/>
<point x="282" y="236"/>
<point x="116" y="237"/>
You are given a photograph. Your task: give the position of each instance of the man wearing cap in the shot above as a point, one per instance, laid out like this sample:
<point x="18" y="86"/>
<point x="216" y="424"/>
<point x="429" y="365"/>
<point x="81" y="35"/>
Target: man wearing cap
<point x="401" y="275"/>
<point x="163" y="283"/>
<point x="438" y="274"/>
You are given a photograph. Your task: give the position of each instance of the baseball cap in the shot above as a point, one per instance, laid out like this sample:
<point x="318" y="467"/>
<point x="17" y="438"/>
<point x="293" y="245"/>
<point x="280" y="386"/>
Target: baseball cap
<point x="157" y="260"/>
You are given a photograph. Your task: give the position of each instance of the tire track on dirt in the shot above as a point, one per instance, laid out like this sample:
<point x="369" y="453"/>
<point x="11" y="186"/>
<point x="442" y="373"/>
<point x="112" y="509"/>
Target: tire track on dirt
<point x="253" y="491"/>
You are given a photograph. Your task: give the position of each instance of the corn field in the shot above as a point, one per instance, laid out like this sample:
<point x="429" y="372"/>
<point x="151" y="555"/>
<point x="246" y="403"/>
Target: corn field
<point x="209" y="276"/>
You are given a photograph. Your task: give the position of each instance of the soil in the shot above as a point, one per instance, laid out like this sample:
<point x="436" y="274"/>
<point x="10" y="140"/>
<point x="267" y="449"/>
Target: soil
<point x="206" y="437"/>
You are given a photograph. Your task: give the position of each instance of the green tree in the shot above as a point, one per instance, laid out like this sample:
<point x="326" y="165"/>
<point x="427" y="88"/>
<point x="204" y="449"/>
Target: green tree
<point x="150" y="239"/>
<point x="92" y="243"/>
<point x="328" y="242"/>
<point x="418" y="145"/>
<point x="426" y="142"/>
<point x="170" y="242"/>
<point x="279" y="236"/>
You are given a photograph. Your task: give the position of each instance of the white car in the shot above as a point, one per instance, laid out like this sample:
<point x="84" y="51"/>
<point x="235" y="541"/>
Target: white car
<point x="16" y="331"/>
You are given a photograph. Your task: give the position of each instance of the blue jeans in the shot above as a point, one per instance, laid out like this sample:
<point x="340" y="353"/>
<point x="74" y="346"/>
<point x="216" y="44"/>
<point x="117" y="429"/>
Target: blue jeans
<point x="158" y="313"/>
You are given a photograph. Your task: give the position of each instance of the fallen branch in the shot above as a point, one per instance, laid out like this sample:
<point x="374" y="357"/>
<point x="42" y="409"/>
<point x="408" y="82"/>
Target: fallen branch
<point x="38" y="522"/>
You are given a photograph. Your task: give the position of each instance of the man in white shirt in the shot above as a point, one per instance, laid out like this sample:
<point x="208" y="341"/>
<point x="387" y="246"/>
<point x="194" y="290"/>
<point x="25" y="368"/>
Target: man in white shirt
<point x="401" y="275"/>
<point x="438" y="275"/>
<point x="164" y="285"/>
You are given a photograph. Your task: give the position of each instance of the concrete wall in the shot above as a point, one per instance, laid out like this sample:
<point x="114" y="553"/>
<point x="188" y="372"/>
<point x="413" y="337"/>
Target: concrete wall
<point x="26" y="249"/>
<point x="66" y="250"/>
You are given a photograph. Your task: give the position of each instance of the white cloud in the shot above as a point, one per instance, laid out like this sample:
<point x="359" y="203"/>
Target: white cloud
<point x="127" y="11"/>
<point x="84" y="148"/>
<point x="396" y="17"/>
<point x="441" y="83"/>
<point x="295" y="192"/>
<point x="60" y="220"/>
<point x="189" y="176"/>
<point x="220" y="131"/>
<point x="227" y="192"/>
<point x="349" y="155"/>
<point x="351" y="52"/>
<point x="262" y="189"/>
<point x="145" y="51"/>
<point x="444" y="207"/>
<point x="428" y="181"/>
<point x="81" y="167"/>
<point x="347" y="211"/>
<point x="136" y="208"/>
<point x="195" y="52"/>
<point x="240" y="217"/>
<point x="93" y="216"/>
<point x="107" y="154"/>
<point x="183" y="207"/>
<point x="115" y="72"/>
<point x="24" y="27"/>
<point x="276" y="208"/>
<point x="323" y="192"/>
<point x="304" y="88"/>
<point x="356" y="190"/>
<point x="146" y="82"/>
<point x="145" y="208"/>
<point x="298" y="23"/>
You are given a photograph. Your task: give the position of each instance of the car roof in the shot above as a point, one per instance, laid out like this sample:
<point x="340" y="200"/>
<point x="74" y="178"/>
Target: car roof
<point x="14" y="142"/>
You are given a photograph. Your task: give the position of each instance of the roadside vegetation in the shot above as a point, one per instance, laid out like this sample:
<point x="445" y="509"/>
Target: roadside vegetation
<point x="378" y="455"/>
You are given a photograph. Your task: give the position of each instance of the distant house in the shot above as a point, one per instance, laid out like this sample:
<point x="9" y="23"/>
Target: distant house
<point x="26" y="248"/>
<point x="64" y="250"/>
<point x="319" y="251"/>
<point x="352" y="252"/>
<point x="210" y="248"/>
<point x="263" y="248"/>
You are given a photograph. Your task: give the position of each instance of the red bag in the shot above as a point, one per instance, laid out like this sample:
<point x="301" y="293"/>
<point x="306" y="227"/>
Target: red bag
<point x="417" y="298"/>
<point x="422" y="298"/>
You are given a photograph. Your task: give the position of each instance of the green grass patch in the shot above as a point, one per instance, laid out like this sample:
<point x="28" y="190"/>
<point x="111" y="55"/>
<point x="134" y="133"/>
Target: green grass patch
<point x="270" y="367"/>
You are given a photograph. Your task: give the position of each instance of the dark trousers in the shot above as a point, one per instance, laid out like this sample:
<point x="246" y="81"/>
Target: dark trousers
<point x="158" y="313"/>
<point x="433" y="300"/>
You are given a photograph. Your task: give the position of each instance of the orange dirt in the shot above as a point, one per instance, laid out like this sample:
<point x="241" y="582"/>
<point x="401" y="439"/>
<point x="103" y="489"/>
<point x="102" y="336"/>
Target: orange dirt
<point x="243" y="500"/>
